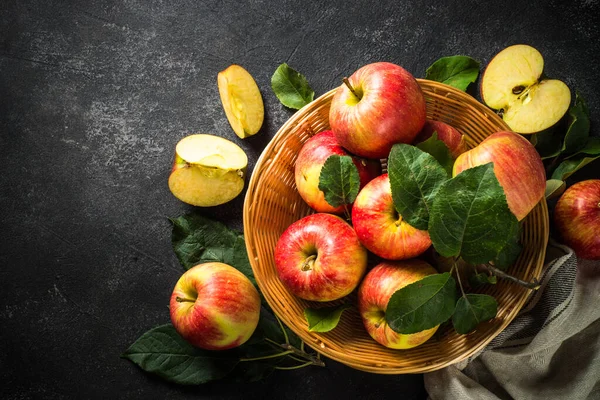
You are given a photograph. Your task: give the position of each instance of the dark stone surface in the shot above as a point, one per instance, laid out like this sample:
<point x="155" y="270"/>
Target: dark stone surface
<point x="94" y="97"/>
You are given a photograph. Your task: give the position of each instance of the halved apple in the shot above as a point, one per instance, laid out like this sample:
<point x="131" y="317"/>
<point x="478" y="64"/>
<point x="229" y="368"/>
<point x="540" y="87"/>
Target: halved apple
<point x="208" y="170"/>
<point x="512" y="83"/>
<point x="241" y="100"/>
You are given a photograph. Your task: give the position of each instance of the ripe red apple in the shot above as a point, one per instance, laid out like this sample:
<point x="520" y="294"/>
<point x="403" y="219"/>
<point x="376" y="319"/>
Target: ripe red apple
<point x="319" y="258"/>
<point x="308" y="166"/>
<point x="577" y="218"/>
<point x="380" y="105"/>
<point x="374" y="294"/>
<point x="214" y="306"/>
<point x="517" y="166"/>
<point x="379" y="226"/>
<point x="446" y="133"/>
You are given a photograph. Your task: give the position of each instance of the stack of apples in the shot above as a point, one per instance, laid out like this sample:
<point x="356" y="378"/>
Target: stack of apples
<point x="323" y="257"/>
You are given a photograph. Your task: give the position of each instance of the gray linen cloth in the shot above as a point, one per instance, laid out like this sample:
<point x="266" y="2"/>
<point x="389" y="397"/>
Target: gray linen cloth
<point x="551" y="350"/>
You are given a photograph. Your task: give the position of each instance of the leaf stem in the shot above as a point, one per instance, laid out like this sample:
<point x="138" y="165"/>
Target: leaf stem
<point x="462" y="290"/>
<point x="281" y="354"/>
<point x="306" y="364"/>
<point x="534" y="284"/>
<point x="312" y="359"/>
<point x="285" y="335"/>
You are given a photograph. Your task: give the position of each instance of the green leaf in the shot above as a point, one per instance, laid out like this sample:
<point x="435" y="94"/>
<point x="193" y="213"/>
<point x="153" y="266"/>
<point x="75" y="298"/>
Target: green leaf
<point x="197" y="239"/>
<point x="457" y="71"/>
<point x="554" y="188"/>
<point x="548" y="143"/>
<point x="591" y="148"/>
<point x="291" y="87"/>
<point x="163" y="352"/>
<point x="572" y="165"/>
<point x="415" y="178"/>
<point x="423" y="304"/>
<point x="324" y="319"/>
<point x="470" y="217"/>
<point x="471" y="309"/>
<point x="508" y="255"/>
<point x="439" y="150"/>
<point x="482" y="278"/>
<point x="579" y="127"/>
<point x="339" y="180"/>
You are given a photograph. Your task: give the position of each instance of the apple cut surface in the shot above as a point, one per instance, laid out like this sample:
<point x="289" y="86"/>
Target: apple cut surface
<point x="241" y="100"/>
<point x="208" y="170"/>
<point x="512" y="82"/>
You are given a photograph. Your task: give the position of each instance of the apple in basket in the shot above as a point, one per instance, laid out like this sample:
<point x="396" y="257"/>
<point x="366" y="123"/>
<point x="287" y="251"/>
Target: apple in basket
<point x="577" y="218"/>
<point x="517" y="166"/>
<point x="320" y="258"/>
<point x="374" y="293"/>
<point x="308" y="166"/>
<point x="379" y="226"/>
<point x="214" y="306"/>
<point x="446" y="133"/>
<point x="379" y="105"/>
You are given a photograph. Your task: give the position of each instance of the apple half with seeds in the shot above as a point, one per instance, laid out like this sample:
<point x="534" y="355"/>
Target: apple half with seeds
<point x="513" y="84"/>
<point x="208" y="170"/>
<point x="242" y="101"/>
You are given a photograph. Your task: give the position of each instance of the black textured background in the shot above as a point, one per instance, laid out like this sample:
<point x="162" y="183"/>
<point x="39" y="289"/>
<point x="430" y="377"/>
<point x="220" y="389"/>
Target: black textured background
<point x="94" y="96"/>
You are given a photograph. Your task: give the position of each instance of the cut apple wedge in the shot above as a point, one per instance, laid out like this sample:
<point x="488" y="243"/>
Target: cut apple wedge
<point x="512" y="83"/>
<point x="241" y="100"/>
<point x="208" y="170"/>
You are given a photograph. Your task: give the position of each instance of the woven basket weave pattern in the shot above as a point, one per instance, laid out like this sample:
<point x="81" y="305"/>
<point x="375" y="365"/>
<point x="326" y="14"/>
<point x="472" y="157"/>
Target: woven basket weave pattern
<point x="272" y="203"/>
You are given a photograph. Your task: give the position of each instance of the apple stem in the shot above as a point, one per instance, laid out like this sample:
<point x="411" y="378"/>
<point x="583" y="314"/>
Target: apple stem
<point x="307" y="265"/>
<point x="183" y="299"/>
<point x="534" y="285"/>
<point x="347" y="82"/>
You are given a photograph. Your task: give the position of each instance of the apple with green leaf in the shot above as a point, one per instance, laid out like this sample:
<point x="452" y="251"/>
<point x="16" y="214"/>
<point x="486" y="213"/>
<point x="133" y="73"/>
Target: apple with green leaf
<point x="517" y="166"/>
<point x="374" y="293"/>
<point x="379" y="226"/>
<point x="320" y="258"/>
<point x="577" y="218"/>
<point x="378" y="105"/>
<point x="214" y="306"/>
<point x="513" y="83"/>
<point x="308" y="166"/>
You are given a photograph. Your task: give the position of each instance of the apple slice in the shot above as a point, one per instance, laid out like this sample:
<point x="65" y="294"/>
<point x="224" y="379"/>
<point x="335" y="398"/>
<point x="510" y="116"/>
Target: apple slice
<point x="208" y="170"/>
<point x="512" y="83"/>
<point x="241" y="100"/>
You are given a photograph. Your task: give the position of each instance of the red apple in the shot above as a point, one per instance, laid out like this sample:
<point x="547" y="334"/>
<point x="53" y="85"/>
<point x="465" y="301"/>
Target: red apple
<point x="517" y="166"/>
<point x="446" y="133"/>
<point x="374" y="294"/>
<point x="381" y="104"/>
<point x="379" y="226"/>
<point x="214" y="306"/>
<point x="308" y="166"/>
<point x="577" y="218"/>
<point x="319" y="258"/>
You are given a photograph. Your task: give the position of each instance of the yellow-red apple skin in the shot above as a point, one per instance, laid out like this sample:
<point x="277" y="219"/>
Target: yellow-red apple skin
<point x="311" y="158"/>
<point x="379" y="227"/>
<point x="226" y="309"/>
<point x="374" y="293"/>
<point x="391" y="110"/>
<point x="517" y="166"/>
<point x="340" y="263"/>
<point x="446" y="133"/>
<point x="577" y="218"/>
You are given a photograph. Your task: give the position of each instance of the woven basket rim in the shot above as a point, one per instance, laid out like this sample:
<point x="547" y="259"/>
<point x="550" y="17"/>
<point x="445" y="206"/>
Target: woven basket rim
<point x="313" y="340"/>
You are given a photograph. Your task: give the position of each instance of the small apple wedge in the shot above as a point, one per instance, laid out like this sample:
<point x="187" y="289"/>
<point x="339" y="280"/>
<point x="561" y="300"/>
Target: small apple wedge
<point x="208" y="170"/>
<point x="513" y="84"/>
<point x="241" y="100"/>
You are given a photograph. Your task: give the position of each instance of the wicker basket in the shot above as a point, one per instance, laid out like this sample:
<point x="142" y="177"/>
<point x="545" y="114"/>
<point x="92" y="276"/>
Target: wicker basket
<point x="272" y="203"/>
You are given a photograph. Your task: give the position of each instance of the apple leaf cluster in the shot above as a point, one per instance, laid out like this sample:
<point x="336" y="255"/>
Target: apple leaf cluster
<point x="456" y="71"/>
<point x="467" y="217"/>
<point x="291" y="87"/>
<point x="162" y="351"/>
